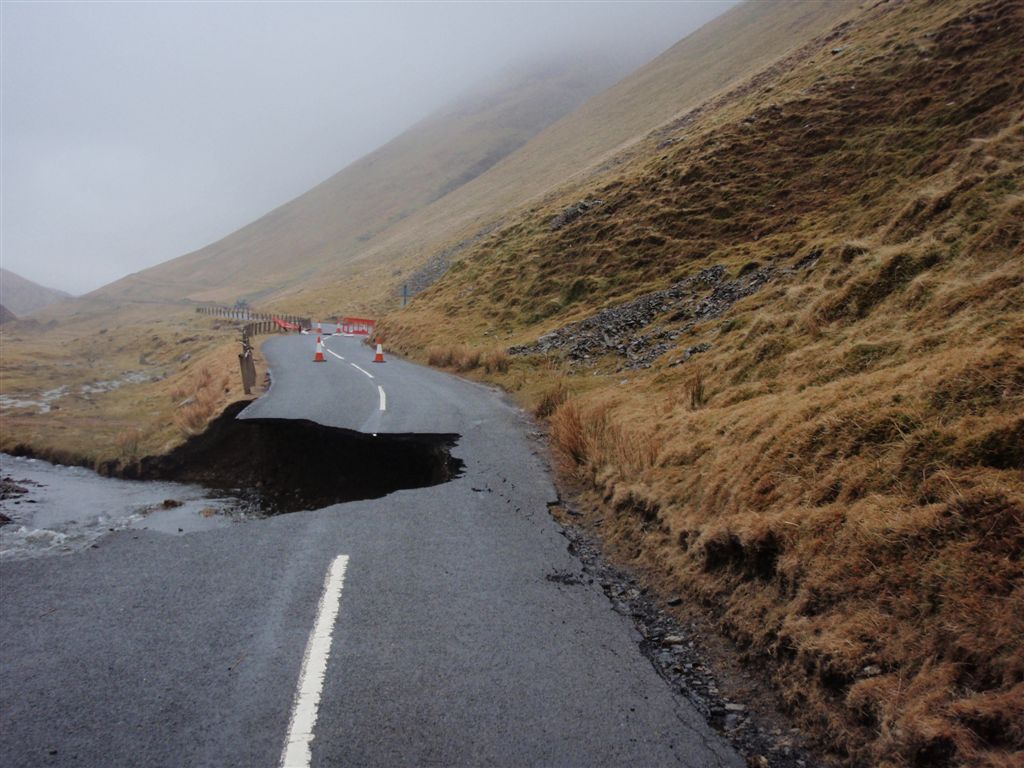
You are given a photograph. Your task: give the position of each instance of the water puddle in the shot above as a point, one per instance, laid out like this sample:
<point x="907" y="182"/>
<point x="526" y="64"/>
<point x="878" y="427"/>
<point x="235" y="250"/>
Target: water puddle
<point x="236" y="469"/>
<point x="54" y="509"/>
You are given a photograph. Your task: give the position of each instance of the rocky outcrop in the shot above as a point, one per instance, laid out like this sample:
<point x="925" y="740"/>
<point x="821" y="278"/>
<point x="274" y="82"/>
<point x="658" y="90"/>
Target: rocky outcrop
<point x="438" y="264"/>
<point x="573" y="212"/>
<point x="619" y="330"/>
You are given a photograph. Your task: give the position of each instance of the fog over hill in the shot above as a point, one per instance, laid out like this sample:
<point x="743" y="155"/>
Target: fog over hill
<point x="22" y="296"/>
<point x="345" y="244"/>
<point x="134" y="133"/>
<point x="337" y="218"/>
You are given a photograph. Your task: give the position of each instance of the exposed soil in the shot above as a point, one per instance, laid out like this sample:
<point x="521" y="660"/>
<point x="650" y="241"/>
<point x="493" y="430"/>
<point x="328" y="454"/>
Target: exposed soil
<point x="288" y="465"/>
<point x="294" y="464"/>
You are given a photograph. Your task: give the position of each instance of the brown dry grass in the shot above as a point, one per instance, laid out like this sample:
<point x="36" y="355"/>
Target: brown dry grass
<point x="465" y="358"/>
<point x="187" y="362"/>
<point x="551" y="398"/>
<point x="841" y="480"/>
<point x="204" y="400"/>
<point x="840" y="483"/>
<point x="865" y="536"/>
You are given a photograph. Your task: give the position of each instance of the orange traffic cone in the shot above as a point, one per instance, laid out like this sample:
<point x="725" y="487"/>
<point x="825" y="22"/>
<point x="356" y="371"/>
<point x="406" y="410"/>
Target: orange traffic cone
<point x="319" y="356"/>
<point x="338" y="330"/>
<point x="379" y="357"/>
<point x="319" y="330"/>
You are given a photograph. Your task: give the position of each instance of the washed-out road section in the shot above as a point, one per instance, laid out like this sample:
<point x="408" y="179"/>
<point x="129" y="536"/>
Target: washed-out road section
<point x="450" y="646"/>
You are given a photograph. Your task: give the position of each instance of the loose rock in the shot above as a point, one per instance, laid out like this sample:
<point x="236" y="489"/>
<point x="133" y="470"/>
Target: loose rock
<point x="618" y="330"/>
<point x="573" y="212"/>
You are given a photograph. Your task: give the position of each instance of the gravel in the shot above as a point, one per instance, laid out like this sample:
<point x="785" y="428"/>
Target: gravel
<point x="619" y="330"/>
<point x="675" y="651"/>
<point x="573" y="212"/>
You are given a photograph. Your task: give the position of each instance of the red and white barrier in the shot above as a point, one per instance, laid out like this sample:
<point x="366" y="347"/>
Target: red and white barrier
<point x="357" y="326"/>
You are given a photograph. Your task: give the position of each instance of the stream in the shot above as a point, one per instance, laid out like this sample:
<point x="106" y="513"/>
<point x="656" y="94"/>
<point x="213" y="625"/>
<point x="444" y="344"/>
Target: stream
<point x="55" y="509"/>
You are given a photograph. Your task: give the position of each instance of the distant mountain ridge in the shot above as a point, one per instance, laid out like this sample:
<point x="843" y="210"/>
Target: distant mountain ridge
<point x="22" y="296"/>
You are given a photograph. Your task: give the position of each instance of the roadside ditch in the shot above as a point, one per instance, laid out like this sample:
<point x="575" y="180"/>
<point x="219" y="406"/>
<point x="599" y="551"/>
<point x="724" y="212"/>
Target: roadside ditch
<point x="689" y="654"/>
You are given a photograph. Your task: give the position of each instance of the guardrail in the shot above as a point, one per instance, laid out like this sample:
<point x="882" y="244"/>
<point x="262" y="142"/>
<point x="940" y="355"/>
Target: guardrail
<point x="259" y="322"/>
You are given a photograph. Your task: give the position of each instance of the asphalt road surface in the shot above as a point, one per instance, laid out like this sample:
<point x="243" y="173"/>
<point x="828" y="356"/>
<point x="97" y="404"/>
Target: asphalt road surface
<point x="415" y="629"/>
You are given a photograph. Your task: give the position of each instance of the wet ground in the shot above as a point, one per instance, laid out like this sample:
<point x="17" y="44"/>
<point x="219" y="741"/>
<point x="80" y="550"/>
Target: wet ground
<point x="55" y="509"/>
<point x="289" y="465"/>
<point x="43" y="402"/>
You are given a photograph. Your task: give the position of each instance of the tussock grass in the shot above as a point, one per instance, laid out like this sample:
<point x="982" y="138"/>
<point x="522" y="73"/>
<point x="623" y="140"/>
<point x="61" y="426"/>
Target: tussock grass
<point x="188" y="370"/>
<point x="464" y="358"/>
<point x="696" y="391"/>
<point x="839" y="479"/>
<point x="127" y="442"/>
<point x="206" y="400"/>
<point x="551" y="398"/>
<point x="591" y="442"/>
<point x="440" y="357"/>
<point x="496" y="361"/>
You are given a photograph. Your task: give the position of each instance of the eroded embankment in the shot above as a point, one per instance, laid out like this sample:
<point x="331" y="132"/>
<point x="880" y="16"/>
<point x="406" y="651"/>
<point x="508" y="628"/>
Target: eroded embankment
<point x="287" y="465"/>
<point x="294" y="464"/>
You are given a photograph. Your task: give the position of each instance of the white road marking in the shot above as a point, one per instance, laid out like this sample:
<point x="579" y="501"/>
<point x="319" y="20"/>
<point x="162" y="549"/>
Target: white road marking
<point x="361" y="370"/>
<point x="383" y="398"/>
<point x="336" y="355"/>
<point x="297" y="752"/>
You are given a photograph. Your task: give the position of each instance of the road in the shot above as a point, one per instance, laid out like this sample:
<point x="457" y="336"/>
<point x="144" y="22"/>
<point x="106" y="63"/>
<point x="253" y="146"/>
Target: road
<point x="449" y="645"/>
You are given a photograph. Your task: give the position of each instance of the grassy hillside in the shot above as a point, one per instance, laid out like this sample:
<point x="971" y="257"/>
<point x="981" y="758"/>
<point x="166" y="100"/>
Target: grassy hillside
<point x="729" y="48"/>
<point x="113" y="382"/>
<point x="336" y="219"/>
<point x="783" y="359"/>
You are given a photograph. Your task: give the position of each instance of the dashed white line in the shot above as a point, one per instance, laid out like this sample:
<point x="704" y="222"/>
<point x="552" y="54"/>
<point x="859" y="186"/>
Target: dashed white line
<point x="335" y="354"/>
<point x="297" y="752"/>
<point x="383" y="398"/>
<point x="361" y="370"/>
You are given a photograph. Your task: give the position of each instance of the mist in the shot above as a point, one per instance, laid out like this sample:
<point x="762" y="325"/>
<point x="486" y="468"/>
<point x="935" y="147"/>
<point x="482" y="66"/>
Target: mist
<point x="135" y="133"/>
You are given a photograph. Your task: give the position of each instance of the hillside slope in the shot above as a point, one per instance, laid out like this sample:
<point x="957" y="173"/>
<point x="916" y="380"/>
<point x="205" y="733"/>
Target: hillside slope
<point x="783" y="357"/>
<point x="23" y="297"/>
<point x="727" y="49"/>
<point x="338" y="217"/>
<point x="344" y="246"/>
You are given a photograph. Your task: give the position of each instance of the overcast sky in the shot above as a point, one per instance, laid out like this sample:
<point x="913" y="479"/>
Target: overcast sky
<point x="136" y="132"/>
